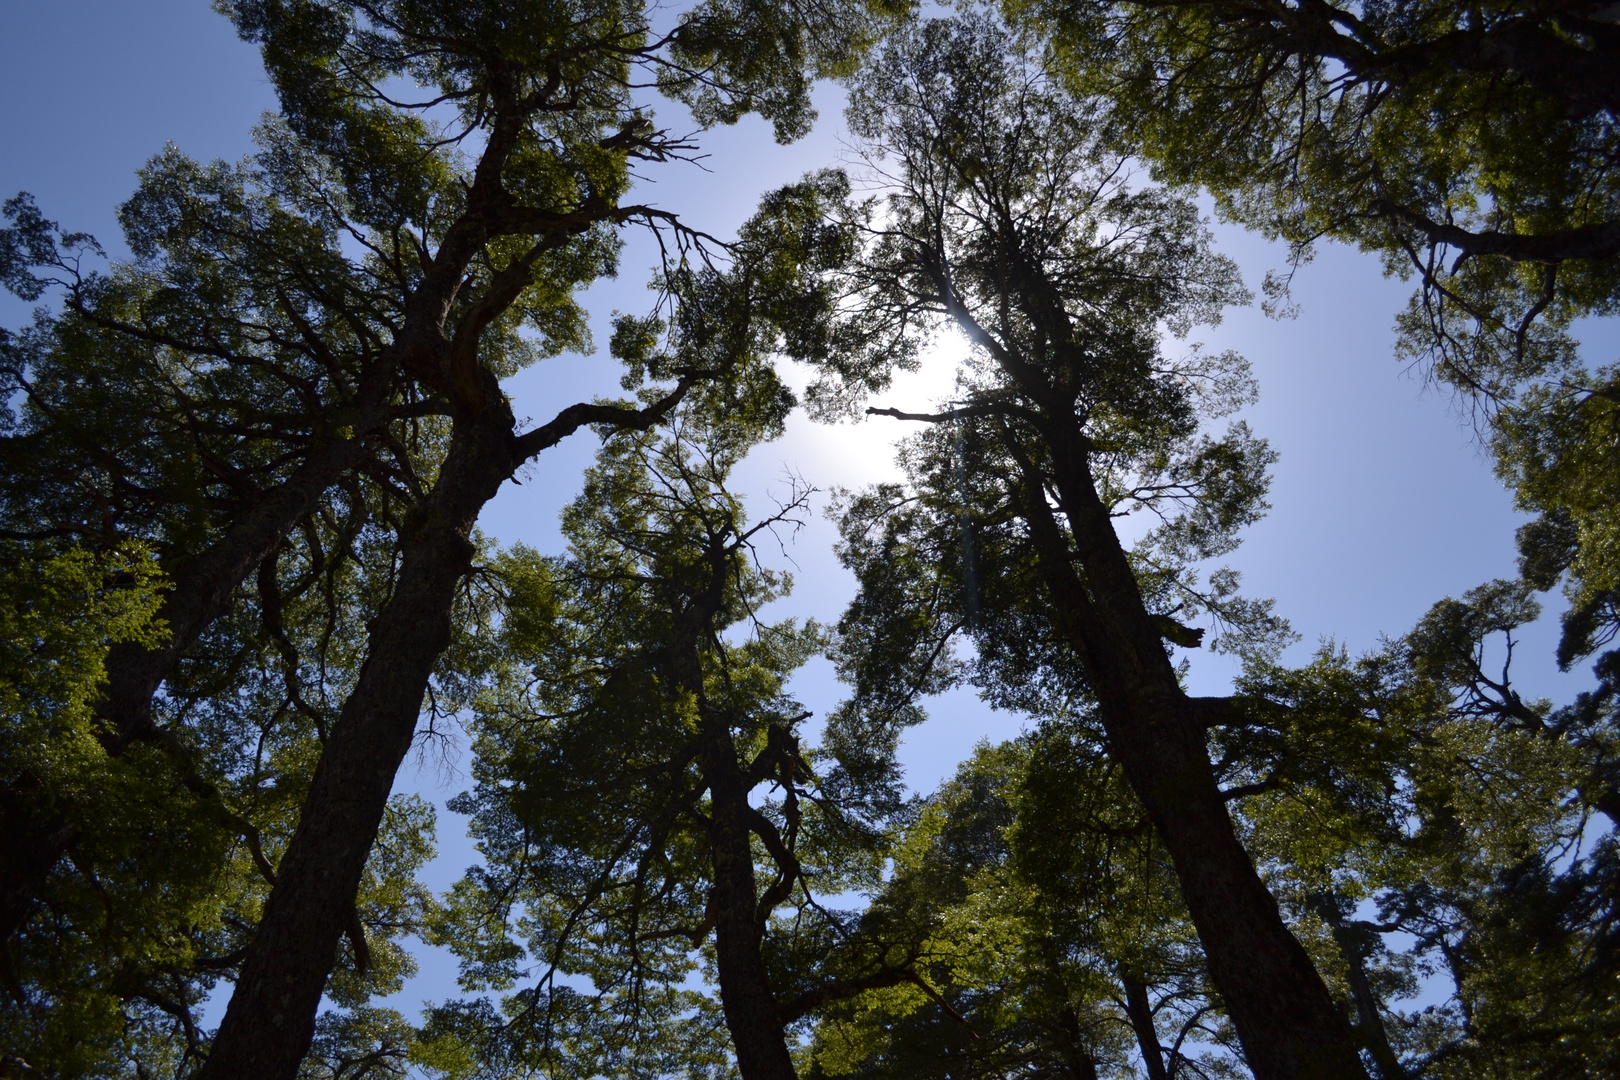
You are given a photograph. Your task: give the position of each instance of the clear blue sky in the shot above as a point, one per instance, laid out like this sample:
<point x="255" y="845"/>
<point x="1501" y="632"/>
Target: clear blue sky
<point x="1384" y="500"/>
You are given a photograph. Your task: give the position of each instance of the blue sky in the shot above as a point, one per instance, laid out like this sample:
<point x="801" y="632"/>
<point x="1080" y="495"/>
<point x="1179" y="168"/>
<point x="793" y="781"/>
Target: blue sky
<point x="1384" y="499"/>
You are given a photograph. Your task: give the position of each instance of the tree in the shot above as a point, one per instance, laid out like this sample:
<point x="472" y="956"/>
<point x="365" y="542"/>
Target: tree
<point x="359" y="285"/>
<point x="1428" y="831"/>
<point x="1051" y="925"/>
<point x="1008" y="221"/>
<point x="156" y="900"/>
<point x="1472" y="146"/>
<point x="59" y="615"/>
<point x="1412" y="792"/>
<point x="640" y="677"/>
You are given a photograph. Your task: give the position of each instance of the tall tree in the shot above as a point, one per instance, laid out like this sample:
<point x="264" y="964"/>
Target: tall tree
<point x="726" y="329"/>
<point x="1423" y="815"/>
<point x="1007" y="221"/>
<point x="1472" y="146"/>
<point x="120" y="435"/>
<point x="375" y="281"/>
<point x="643" y="791"/>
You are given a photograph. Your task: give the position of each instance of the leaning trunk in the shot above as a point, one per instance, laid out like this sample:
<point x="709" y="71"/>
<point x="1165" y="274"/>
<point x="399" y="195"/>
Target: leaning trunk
<point x="201" y="589"/>
<point x="1287" y="1022"/>
<point x="270" y="1021"/>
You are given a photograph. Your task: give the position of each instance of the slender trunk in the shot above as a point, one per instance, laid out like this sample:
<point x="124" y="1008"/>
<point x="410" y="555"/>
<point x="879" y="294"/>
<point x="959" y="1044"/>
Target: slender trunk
<point x="1370" y="1020"/>
<point x="270" y="1020"/>
<point x="1288" y="1024"/>
<point x="753" y="1015"/>
<point x="201" y="589"/>
<point x="751" y="1010"/>
<point x="1140" y="1012"/>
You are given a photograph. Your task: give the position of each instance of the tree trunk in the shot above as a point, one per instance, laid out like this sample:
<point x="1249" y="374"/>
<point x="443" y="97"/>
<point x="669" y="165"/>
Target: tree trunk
<point x="1288" y="1024"/>
<point x="1370" y="1021"/>
<point x="1140" y="1011"/>
<point x="202" y="586"/>
<point x="751" y="1010"/>
<point x="271" y="1017"/>
<point x="752" y="1013"/>
<point x="1077" y="1056"/>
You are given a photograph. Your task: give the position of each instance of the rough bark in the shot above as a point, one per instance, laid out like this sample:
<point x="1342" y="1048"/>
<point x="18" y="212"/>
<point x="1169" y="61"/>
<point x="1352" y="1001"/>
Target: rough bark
<point x="1288" y="1024"/>
<point x="271" y="1017"/>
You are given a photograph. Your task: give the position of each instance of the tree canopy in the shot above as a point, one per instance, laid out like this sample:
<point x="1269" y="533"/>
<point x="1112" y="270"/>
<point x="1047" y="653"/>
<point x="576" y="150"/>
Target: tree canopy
<point x="1471" y="146"/>
<point x="242" y="574"/>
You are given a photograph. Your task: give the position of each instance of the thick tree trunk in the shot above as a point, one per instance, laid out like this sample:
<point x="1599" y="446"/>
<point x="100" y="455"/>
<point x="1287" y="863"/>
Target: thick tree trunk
<point x="200" y="592"/>
<point x="270" y="1020"/>
<point x="271" y="1017"/>
<point x="1289" y="1026"/>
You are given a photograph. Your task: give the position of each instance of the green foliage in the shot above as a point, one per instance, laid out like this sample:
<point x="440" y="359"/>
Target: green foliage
<point x="159" y="893"/>
<point x="1434" y="826"/>
<point x="1413" y="784"/>
<point x="1408" y="129"/>
<point x="1470" y="146"/>
<point x="593" y="808"/>
<point x="994" y="163"/>
<point x="111" y="949"/>
<point x="1036" y="895"/>
<point x="1418" y="820"/>
<point x="440" y="175"/>
<point x="364" y="1043"/>
<point x="1555" y="447"/>
<point x="60" y="615"/>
